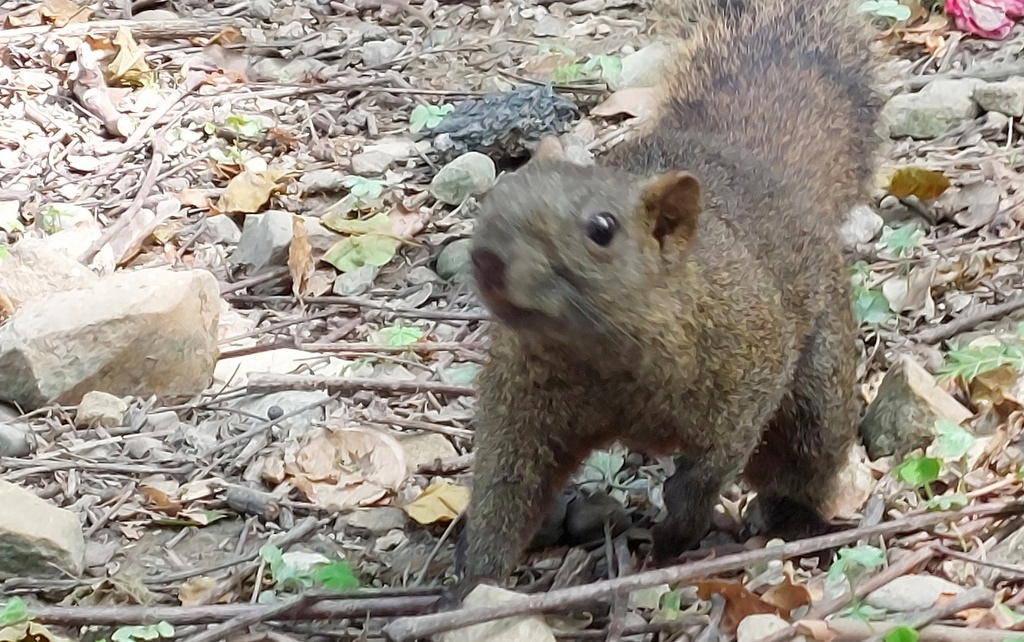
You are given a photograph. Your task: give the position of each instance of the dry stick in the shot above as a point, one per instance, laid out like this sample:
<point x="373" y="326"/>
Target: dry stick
<point x="969" y="321"/>
<point x="973" y="598"/>
<point x="139" y="28"/>
<point x="260" y="383"/>
<point x="853" y="630"/>
<point x="244" y="620"/>
<point x="877" y="581"/>
<point x="440" y="315"/>
<point x="412" y="628"/>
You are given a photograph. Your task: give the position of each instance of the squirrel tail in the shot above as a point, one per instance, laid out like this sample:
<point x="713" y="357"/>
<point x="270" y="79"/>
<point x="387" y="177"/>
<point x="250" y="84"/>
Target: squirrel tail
<point x="788" y="81"/>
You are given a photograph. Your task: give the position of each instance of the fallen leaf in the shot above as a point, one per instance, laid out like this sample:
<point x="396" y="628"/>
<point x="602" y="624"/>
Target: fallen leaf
<point x="787" y="596"/>
<point x="639" y="102"/>
<point x="249" y="191"/>
<point x="739" y="601"/>
<point x="194" y="197"/>
<point x="912" y="293"/>
<point x="161" y="501"/>
<point x="442" y="501"/>
<point x="405" y="225"/>
<point x="129" y="64"/>
<point x="300" y="258"/>
<point x="64" y="12"/>
<point x="817" y="629"/>
<point x="196" y="590"/>
<point x="925" y="184"/>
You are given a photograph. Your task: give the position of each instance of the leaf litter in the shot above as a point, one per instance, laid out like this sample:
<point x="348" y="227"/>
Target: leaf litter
<point x="193" y="109"/>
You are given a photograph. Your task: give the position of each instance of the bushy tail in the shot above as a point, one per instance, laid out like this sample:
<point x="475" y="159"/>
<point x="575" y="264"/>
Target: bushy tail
<point x="789" y="81"/>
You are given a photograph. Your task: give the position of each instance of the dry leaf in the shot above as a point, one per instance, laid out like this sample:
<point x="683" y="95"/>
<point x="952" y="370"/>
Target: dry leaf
<point x="925" y="184"/>
<point x="639" y="102"/>
<point x="300" y="258"/>
<point x="64" y="12"/>
<point x="129" y="64"/>
<point x="817" y="629"/>
<point x="249" y="191"/>
<point x="193" y="198"/>
<point x="787" y="596"/>
<point x="739" y="601"/>
<point x="24" y="17"/>
<point x="405" y="225"/>
<point x="160" y="501"/>
<point x="196" y="590"/>
<point x="912" y="294"/>
<point x="442" y="501"/>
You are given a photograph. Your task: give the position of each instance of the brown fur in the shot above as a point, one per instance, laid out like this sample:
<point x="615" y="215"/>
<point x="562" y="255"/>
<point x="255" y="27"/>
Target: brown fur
<point x="716" y="324"/>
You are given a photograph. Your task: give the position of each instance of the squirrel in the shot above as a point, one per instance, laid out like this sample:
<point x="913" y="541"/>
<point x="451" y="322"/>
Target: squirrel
<point x="686" y="295"/>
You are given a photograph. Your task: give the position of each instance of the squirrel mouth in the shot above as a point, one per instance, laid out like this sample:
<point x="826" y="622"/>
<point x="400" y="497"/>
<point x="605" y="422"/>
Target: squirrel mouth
<point x="498" y="304"/>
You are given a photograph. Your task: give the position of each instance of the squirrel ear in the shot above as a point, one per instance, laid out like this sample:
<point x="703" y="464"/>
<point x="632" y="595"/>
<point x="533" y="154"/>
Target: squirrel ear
<point x="672" y="201"/>
<point x="549" y="148"/>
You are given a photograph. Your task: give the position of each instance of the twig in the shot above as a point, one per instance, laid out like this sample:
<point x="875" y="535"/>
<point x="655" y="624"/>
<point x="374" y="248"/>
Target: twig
<point x="978" y="596"/>
<point x="267" y="612"/>
<point x="969" y="321"/>
<point x="853" y="630"/>
<point x="412" y="628"/>
<point x="440" y="315"/>
<point x="260" y="383"/>
<point x="139" y="28"/>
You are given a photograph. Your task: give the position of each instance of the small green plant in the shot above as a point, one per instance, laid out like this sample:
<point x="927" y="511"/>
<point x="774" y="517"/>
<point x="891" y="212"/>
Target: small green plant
<point x="952" y="442"/>
<point x="901" y="633"/>
<point x="869" y="305"/>
<point x="967" y="363"/>
<point x="885" y="9"/>
<point x="4" y="252"/>
<point x="365" y="189"/>
<point x="334" y="575"/>
<point x="400" y="335"/>
<point x="428" y="116"/>
<point x="13" y="612"/>
<point x="851" y="563"/>
<point x="147" y="632"/>
<point x="609" y="70"/>
<point x="901" y="241"/>
<point x="244" y="124"/>
<point x="919" y="472"/>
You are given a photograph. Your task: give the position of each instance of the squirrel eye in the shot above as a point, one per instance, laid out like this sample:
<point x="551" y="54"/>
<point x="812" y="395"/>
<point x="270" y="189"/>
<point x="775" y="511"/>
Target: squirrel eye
<point x="601" y="228"/>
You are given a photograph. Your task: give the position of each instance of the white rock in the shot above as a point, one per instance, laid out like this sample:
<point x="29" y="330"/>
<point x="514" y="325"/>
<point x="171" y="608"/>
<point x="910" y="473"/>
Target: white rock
<point x="468" y="175"/>
<point x="912" y="593"/>
<point x="1006" y="97"/>
<point x="526" y="628"/>
<point x="377" y="519"/>
<point x="862" y="225"/>
<point x="37" y="539"/>
<point x="100" y="409"/>
<point x="148" y="332"/>
<point x="755" y="627"/>
<point x="16" y="440"/>
<point x="33" y="269"/>
<point x="379" y="53"/>
<point x="931" y="112"/>
<point x="396" y="147"/>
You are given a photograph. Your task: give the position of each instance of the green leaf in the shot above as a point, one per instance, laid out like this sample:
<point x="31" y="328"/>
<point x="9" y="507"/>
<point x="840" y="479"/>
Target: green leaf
<point x="901" y="633"/>
<point x="952" y="501"/>
<point x="13" y="611"/>
<point x="4" y="252"/>
<point x="147" y="632"/>
<point x="354" y="252"/>
<point x="952" y="442"/>
<point x="968" y="363"/>
<point x="609" y="66"/>
<point x="568" y="73"/>
<point x="379" y="223"/>
<point x="870" y="306"/>
<point x="428" y="116"/>
<point x="336" y="576"/>
<point x="901" y="241"/>
<point x="460" y="375"/>
<point x="400" y="335"/>
<point x="854" y="559"/>
<point x="918" y="471"/>
<point x="244" y="124"/>
<point x="366" y="189"/>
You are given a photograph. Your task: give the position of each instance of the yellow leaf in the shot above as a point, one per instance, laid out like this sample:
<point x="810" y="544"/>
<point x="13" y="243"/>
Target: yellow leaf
<point x="300" y="258"/>
<point x="925" y="184"/>
<point x="129" y="64"/>
<point x="64" y="12"/>
<point x="440" y="502"/>
<point x="195" y="590"/>
<point x="249" y="191"/>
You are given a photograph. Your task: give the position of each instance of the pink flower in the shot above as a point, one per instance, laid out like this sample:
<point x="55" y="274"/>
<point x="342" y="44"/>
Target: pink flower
<point x="986" y="18"/>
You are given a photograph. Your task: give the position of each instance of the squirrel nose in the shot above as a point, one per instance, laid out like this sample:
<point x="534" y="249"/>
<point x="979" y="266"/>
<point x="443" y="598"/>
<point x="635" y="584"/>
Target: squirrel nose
<point x="488" y="270"/>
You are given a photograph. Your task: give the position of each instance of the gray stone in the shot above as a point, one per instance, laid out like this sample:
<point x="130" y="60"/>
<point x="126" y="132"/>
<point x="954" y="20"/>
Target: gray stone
<point x="468" y="175"/>
<point x="147" y="332"/>
<point x="265" y="240"/>
<point x="1006" y="97"/>
<point x="912" y="593"/>
<point x="32" y="270"/>
<point x="931" y="112"/>
<point x="355" y="282"/>
<point x="100" y="409"/>
<point x="377" y="53"/>
<point x="453" y="261"/>
<point x="584" y="7"/>
<point x="376" y="520"/>
<point x="511" y="629"/>
<point x="288" y="401"/>
<point x="16" y="440"/>
<point x="862" y="225"/>
<point x="321" y="238"/>
<point x="903" y="414"/>
<point x="645" y="67"/>
<point x="37" y="539"/>
<point x="548" y="25"/>
<point x="320" y="181"/>
<point x="371" y="163"/>
<point x="221" y="230"/>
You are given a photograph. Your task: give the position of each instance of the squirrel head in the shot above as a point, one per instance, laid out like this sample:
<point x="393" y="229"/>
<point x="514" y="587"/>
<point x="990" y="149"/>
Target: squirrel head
<point x="575" y="253"/>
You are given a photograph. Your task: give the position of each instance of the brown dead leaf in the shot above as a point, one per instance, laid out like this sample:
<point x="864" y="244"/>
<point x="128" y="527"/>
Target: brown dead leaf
<point x="64" y="12"/>
<point x="249" y="191"/>
<point x="300" y="258"/>
<point x="29" y="632"/>
<point x="925" y="184"/>
<point x="196" y="590"/>
<point x="817" y="629"/>
<point x="193" y="198"/>
<point x="994" y="387"/>
<point x="129" y="64"/>
<point x="931" y="34"/>
<point x="739" y="601"/>
<point x="442" y="501"/>
<point x="639" y="102"/>
<point x="273" y="470"/>
<point x="160" y="500"/>
<point x="787" y="596"/>
<point x="405" y="225"/>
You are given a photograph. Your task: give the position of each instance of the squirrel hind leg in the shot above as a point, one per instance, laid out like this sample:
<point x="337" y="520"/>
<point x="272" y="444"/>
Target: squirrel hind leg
<point x="690" y="496"/>
<point x="806" y="442"/>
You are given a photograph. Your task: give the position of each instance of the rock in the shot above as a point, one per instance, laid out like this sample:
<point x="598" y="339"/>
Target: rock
<point x="33" y="269"/>
<point x="912" y="593"/>
<point x="221" y="230"/>
<point x="377" y="520"/>
<point x="286" y="402"/>
<point x="548" y="25"/>
<point x="755" y="627"/>
<point x="512" y="629"/>
<point x="453" y="261"/>
<point x="934" y="110"/>
<point x="16" y="440"/>
<point x="862" y="225"/>
<point x="468" y="175"/>
<point x="264" y="241"/>
<point x="1006" y="97"/>
<point x="380" y="52"/>
<point x="100" y="409"/>
<point x="156" y="15"/>
<point x="323" y="181"/>
<point x="552" y="529"/>
<point x="644" y="68"/>
<point x="371" y="163"/>
<point x="902" y="416"/>
<point x="584" y="7"/>
<point x="397" y="148"/>
<point x="37" y="539"/>
<point x="147" y="332"/>
<point x="355" y="282"/>
<point x="426" y="448"/>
